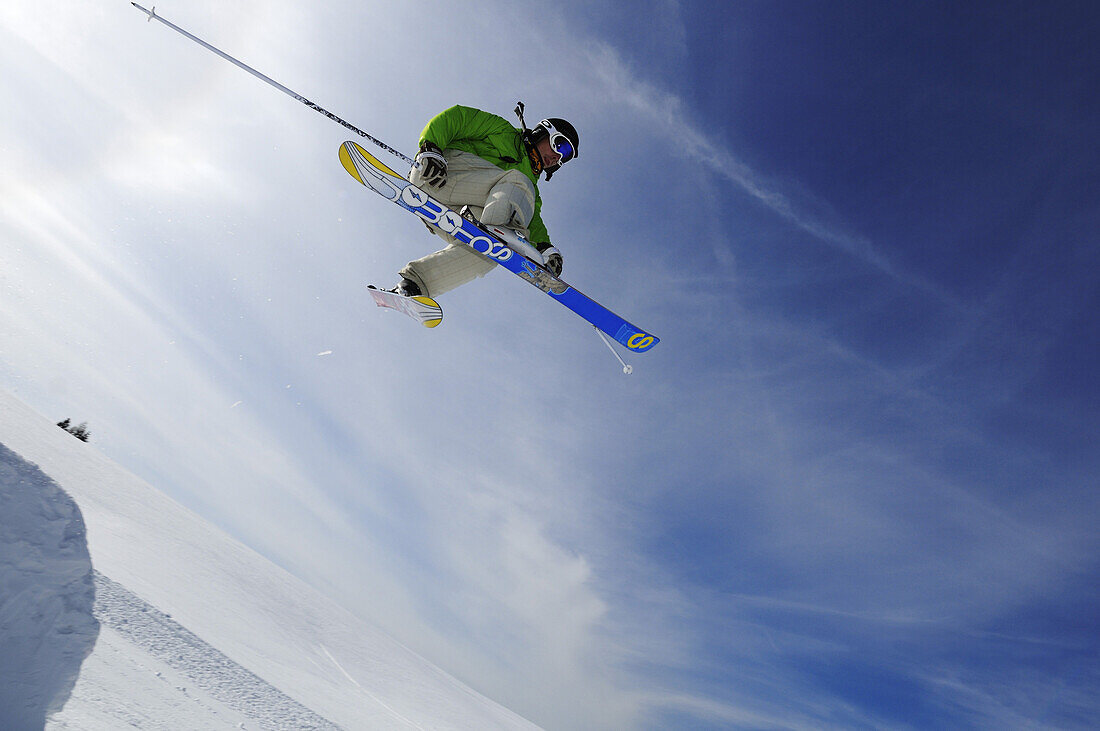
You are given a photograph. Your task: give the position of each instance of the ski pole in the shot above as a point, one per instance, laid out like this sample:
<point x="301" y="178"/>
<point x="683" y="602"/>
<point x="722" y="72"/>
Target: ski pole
<point x="627" y="369"/>
<point x="153" y="14"/>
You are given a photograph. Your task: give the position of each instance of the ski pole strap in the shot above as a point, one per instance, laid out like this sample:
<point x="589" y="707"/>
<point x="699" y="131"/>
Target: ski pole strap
<point x="153" y="15"/>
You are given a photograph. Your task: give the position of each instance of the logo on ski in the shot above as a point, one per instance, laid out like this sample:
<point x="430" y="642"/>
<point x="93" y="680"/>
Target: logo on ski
<point x="541" y="278"/>
<point x="380" y="179"/>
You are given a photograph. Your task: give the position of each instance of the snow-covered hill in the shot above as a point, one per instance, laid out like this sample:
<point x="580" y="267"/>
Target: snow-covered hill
<point x="191" y="629"/>
<point x="46" y="622"/>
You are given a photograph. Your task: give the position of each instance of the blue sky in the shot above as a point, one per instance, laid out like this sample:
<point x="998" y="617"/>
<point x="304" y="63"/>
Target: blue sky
<point x="853" y="486"/>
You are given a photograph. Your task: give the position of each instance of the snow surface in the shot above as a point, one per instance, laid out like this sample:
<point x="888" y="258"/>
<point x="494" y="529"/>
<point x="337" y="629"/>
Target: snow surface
<point x="46" y="623"/>
<point x="194" y="677"/>
<point x="195" y="630"/>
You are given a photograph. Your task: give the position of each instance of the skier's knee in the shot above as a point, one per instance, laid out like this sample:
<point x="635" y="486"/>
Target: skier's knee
<point x="503" y="212"/>
<point x="511" y="203"/>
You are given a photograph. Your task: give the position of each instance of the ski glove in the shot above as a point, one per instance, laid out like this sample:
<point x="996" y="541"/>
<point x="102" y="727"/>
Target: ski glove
<point x="552" y="257"/>
<point x="433" y="166"/>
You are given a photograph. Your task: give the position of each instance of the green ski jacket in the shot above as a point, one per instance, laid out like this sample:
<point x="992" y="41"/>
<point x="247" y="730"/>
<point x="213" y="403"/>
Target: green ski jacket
<point x="491" y="138"/>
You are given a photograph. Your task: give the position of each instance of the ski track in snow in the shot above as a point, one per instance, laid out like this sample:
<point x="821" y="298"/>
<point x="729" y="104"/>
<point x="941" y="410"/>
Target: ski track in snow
<point x="366" y="692"/>
<point x="164" y="639"/>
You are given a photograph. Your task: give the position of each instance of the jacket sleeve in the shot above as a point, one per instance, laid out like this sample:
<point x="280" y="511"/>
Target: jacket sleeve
<point x="537" y="229"/>
<point x="459" y="123"/>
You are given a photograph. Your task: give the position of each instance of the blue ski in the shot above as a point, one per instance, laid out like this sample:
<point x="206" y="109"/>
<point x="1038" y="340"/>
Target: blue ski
<point x="371" y="172"/>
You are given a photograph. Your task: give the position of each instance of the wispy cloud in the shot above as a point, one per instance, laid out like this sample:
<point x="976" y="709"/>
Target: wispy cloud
<point x="667" y="114"/>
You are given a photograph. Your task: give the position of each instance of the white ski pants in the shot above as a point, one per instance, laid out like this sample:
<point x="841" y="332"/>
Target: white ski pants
<point x="497" y="197"/>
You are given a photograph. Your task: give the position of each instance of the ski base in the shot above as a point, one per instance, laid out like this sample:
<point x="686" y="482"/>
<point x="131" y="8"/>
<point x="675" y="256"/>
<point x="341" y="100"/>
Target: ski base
<point x="423" y="309"/>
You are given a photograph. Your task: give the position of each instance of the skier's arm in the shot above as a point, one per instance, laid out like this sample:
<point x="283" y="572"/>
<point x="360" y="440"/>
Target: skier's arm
<point x="537" y="229"/>
<point x="459" y="123"/>
<point x="541" y="239"/>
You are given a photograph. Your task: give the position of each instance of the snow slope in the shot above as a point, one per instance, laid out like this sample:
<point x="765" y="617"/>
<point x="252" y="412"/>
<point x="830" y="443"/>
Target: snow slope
<point x="246" y="642"/>
<point x="191" y="679"/>
<point x="46" y="622"/>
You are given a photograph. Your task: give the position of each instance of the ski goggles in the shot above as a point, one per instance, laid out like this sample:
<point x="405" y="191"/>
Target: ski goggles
<point x="559" y="143"/>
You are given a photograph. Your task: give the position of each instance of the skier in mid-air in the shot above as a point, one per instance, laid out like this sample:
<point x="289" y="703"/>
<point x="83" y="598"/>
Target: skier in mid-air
<point x="473" y="158"/>
<point x="477" y="161"/>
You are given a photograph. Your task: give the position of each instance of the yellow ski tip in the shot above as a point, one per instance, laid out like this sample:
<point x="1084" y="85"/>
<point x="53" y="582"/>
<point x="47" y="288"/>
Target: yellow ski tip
<point x="352" y="156"/>
<point x="429" y="302"/>
<point x="346" y="161"/>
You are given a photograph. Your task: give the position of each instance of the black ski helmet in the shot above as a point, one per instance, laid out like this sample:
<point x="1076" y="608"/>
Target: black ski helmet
<point x="556" y="125"/>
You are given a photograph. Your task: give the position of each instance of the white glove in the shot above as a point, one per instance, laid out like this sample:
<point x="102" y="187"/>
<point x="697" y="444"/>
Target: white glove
<point x="432" y="164"/>
<point x="552" y="258"/>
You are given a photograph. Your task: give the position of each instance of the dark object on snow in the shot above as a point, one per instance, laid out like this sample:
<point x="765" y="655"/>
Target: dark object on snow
<point x="80" y="431"/>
